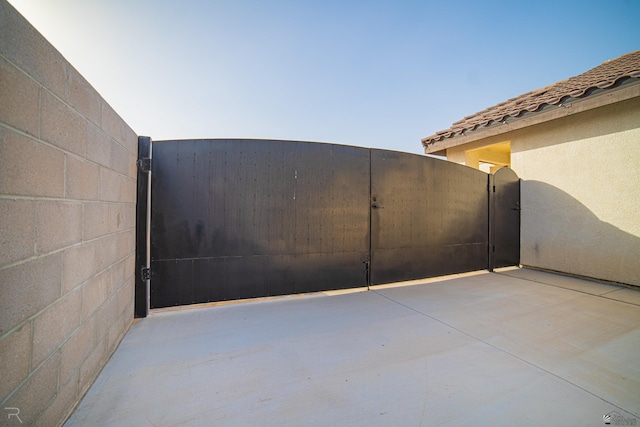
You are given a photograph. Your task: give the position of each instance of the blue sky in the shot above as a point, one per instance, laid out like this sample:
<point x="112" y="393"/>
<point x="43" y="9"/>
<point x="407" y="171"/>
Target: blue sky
<point x="378" y="74"/>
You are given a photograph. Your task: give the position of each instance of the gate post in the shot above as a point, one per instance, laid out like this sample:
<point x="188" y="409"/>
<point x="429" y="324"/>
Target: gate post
<point x="143" y="217"/>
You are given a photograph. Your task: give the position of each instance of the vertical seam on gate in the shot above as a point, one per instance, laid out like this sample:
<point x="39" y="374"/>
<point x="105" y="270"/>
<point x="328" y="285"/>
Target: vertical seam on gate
<point x="369" y="266"/>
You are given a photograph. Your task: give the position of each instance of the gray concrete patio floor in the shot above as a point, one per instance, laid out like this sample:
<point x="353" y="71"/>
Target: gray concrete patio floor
<point x="514" y="348"/>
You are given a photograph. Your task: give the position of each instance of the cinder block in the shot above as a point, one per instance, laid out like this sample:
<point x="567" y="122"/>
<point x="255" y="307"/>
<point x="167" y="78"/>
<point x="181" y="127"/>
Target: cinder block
<point x="125" y="244"/>
<point x="24" y="46"/>
<point x="83" y="97"/>
<point x="14" y="359"/>
<point x="79" y="265"/>
<point x="91" y="366"/>
<point x="109" y="185"/>
<point x="125" y="295"/>
<point x="111" y="285"/>
<point x="129" y="222"/>
<point x="106" y="251"/>
<point x="119" y="158"/>
<point x="52" y="327"/>
<point x="34" y="396"/>
<point x="130" y="266"/>
<point x="121" y="217"/>
<point x="94" y="293"/>
<point x="112" y="123"/>
<point x="59" y="225"/>
<point x="106" y="316"/>
<point x="82" y="179"/>
<point x="128" y="190"/>
<point x="130" y="140"/>
<point x="17" y="230"/>
<point x="63" y="403"/>
<point x="119" y="130"/>
<point x="98" y="145"/>
<point x="28" y="288"/>
<point x="128" y="313"/>
<point x="76" y="350"/>
<point x="62" y="126"/>
<point x="96" y="220"/>
<point x="19" y="99"/>
<point x="119" y="277"/>
<point x="114" y="335"/>
<point x="29" y="168"/>
<point x="132" y="171"/>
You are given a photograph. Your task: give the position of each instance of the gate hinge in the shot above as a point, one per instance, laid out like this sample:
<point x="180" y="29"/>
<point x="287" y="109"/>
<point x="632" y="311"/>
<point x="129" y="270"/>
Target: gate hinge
<point x="146" y="273"/>
<point x="145" y="164"/>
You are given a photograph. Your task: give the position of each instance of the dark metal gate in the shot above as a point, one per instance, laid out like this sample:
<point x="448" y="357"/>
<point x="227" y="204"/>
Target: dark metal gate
<point x="429" y="217"/>
<point x="505" y="219"/>
<point x="234" y="219"/>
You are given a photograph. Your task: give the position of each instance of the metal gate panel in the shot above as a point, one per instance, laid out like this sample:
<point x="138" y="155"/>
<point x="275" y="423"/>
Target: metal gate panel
<point x="236" y="219"/>
<point x="505" y="219"/>
<point x="429" y="217"/>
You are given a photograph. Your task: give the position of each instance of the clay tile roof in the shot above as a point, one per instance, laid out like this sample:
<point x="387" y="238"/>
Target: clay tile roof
<point x="603" y="76"/>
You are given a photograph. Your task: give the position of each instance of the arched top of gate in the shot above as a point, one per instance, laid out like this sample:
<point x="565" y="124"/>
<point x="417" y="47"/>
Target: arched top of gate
<point x="262" y="141"/>
<point x="270" y="141"/>
<point x="506" y="173"/>
<point x="319" y="146"/>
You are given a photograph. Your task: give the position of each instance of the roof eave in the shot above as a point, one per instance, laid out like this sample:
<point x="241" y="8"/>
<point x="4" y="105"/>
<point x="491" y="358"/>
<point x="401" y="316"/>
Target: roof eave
<point x="552" y="112"/>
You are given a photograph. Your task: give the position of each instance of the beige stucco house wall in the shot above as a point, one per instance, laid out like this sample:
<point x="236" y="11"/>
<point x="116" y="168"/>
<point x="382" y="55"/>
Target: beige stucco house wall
<point x="580" y="168"/>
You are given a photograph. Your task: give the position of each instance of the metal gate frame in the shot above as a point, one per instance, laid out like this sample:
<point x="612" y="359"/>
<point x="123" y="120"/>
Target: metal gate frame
<point x="504" y="218"/>
<point x="143" y="232"/>
<point x="431" y="218"/>
<point x="459" y="259"/>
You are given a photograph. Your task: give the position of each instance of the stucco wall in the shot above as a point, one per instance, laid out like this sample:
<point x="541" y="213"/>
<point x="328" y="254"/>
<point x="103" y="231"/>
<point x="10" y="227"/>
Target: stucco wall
<point x="67" y="219"/>
<point x="580" y="191"/>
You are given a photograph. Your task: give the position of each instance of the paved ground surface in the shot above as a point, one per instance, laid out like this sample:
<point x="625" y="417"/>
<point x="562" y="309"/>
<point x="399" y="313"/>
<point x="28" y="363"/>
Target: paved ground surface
<point x="515" y="348"/>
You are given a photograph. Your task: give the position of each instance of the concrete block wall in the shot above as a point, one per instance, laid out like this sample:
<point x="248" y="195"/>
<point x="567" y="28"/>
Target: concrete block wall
<point x="67" y="228"/>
